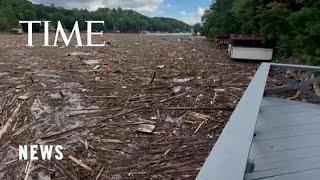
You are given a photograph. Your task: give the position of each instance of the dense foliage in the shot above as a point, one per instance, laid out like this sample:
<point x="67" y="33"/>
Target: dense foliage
<point x="11" y="11"/>
<point x="197" y="28"/>
<point x="293" y="26"/>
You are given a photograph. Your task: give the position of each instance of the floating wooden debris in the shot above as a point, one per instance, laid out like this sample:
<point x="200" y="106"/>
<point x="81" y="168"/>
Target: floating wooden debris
<point x="100" y="173"/>
<point x="28" y="170"/>
<point x="23" y="97"/>
<point x="195" y="132"/>
<point x="197" y="116"/>
<point x="20" y="86"/>
<point x="161" y="66"/>
<point x="219" y="90"/>
<point x="316" y="87"/>
<point x="112" y="141"/>
<point x="79" y="162"/>
<point x="167" y="152"/>
<point x="94" y="63"/>
<point x="144" y="97"/>
<point x="77" y="54"/>
<point x="182" y="80"/>
<point x="4" y="128"/>
<point x="146" y="128"/>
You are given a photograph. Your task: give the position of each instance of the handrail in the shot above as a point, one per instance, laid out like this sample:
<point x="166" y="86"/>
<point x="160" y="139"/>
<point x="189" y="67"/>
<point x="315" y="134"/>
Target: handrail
<point x="295" y="66"/>
<point x="228" y="159"/>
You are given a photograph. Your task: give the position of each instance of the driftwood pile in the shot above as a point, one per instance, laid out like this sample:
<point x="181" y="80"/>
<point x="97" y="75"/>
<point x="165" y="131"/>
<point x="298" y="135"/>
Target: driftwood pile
<point x="142" y="107"/>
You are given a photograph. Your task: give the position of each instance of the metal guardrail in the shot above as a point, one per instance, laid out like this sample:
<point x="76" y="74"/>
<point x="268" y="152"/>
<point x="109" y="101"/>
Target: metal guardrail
<point x="229" y="158"/>
<point x="303" y="67"/>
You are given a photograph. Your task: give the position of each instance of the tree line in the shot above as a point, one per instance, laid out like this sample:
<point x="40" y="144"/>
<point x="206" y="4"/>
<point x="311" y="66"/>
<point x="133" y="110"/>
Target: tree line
<point x="13" y="11"/>
<point x="292" y="26"/>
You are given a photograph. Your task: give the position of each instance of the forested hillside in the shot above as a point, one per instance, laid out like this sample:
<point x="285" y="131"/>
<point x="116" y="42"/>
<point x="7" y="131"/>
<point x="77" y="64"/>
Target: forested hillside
<point x="293" y="26"/>
<point x="11" y="11"/>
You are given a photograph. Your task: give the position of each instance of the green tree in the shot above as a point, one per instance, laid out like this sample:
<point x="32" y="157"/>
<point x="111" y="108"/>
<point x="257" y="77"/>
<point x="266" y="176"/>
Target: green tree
<point x="292" y="26"/>
<point x="197" y="28"/>
<point x="11" y="11"/>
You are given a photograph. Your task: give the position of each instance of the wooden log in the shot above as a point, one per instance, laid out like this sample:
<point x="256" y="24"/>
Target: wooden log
<point x="4" y="129"/>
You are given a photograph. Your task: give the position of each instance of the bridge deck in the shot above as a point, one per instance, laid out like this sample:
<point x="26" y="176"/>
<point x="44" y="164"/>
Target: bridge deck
<point x="287" y="141"/>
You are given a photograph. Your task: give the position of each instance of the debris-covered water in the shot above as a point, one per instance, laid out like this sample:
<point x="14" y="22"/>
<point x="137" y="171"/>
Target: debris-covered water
<point x="143" y="107"/>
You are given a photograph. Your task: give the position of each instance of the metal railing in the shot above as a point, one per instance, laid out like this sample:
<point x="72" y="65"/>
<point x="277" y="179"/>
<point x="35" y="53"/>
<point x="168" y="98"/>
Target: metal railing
<point x="228" y="159"/>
